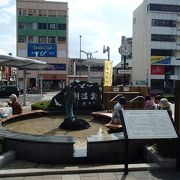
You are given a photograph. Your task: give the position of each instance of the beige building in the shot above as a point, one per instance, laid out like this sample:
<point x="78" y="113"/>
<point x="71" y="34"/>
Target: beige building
<point x="42" y="33"/>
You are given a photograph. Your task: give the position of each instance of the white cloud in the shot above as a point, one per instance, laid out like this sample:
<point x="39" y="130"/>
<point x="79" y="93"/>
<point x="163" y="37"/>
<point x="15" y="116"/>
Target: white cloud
<point x="4" y="3"/>
<point x="99" y="22"/>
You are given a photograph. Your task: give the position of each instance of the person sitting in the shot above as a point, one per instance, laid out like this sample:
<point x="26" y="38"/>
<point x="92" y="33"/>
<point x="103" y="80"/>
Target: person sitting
<point x="117" y="108"/>
<point x="157" y="100"/>
<point x="164" y="104"/>
<point x="16" y="107"/>
<point x="149" y="103"/>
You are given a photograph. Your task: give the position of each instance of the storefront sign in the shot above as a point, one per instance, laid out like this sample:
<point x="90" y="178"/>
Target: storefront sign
<point x="122" y="71"/>
<point x="160" y="60"/>
<point x="42" y="50"/>
<point x="59" y="67"/>
<point x="157" y="70"/>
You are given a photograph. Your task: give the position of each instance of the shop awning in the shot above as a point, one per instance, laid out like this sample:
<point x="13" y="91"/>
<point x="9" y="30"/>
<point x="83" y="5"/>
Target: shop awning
<point x="20" y="62"/>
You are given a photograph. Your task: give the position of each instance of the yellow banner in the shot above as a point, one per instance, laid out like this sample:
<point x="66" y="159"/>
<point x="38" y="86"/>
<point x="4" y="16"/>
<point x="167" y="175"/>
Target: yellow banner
<point x="108" y="73"/>
<point x="155" y="59"/>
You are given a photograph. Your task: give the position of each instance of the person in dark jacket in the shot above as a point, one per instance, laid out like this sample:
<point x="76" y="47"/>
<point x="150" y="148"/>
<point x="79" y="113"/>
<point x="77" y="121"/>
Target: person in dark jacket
<point x="16" y="107"/>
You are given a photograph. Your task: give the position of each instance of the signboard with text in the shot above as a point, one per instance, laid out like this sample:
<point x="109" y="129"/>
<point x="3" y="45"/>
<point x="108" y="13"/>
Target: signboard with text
<point x="148" y="124"/>
<point x="42" y="50"/>
<point x="87" y="96"/>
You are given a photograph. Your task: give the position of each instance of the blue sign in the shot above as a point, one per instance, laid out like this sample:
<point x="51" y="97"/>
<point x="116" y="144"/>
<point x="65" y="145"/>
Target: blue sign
<point x="59" y="67"/>
<point x="42" y="50"/>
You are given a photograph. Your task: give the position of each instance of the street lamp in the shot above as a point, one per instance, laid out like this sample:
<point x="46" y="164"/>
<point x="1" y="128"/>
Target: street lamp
<point x="89" y="57"/>
<point x="107" y="49"/>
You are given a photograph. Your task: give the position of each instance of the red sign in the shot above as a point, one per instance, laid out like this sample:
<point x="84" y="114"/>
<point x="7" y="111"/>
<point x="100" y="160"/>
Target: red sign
<point x="157" y="70"/>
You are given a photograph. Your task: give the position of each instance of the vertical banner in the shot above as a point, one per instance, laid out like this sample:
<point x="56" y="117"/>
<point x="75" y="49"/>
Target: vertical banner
<point x="108" y="73"/>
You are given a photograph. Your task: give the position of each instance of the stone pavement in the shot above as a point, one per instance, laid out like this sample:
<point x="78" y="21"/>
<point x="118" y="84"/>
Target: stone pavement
<point x="132" y="175"/>
<point x="20" y="170"/>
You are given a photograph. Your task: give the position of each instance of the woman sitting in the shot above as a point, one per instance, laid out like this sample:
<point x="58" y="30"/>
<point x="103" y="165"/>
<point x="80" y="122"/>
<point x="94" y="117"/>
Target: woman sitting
<point x="16" y="107"/>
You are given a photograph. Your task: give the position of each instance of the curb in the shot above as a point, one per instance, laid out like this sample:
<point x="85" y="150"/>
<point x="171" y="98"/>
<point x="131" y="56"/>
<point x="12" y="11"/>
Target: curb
<point x="75" y="170"/>
<point x="7" y="158"/>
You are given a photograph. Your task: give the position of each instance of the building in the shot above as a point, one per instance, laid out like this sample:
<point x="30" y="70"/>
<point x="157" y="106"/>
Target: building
<point x="42" y="33"/>
<point x="7" y="74"/>
<point x="156" y="45"/>
<point x="122" y="71"/>
<point x="80" y="71"/>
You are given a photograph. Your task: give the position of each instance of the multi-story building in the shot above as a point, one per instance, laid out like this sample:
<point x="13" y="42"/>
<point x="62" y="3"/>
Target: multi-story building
<point x="42" y="33"/>
<point x="156" y="44"/>
<point x="122" y="71"/>
<point x="78" y="69"/>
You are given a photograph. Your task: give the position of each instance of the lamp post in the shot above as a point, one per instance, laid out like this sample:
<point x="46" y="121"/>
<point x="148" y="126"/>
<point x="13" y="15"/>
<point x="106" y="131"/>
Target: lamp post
<point x="89" y="56"/>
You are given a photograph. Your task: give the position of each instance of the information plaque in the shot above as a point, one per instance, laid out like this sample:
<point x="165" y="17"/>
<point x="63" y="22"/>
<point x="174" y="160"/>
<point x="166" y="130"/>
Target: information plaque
<point x="148" y="124"/>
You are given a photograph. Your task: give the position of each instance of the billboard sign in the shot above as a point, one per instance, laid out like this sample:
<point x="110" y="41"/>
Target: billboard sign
<point x="157" y="70"/>
<point x="42" y="50"/>
<point x="160" y="60"/>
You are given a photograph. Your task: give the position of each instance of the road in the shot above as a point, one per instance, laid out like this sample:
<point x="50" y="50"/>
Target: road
<point x="32" y="98"/>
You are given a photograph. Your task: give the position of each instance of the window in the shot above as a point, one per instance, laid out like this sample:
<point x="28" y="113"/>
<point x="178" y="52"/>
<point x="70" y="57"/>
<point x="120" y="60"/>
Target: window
<point x="61" y="39"/>
<point x="29" y="26"/>
<point x="162" y="7"/>
<point x="163" y="23"/>
<point x="62" y="13"/>
<point x="51" y="39"/>
<point x="21" y="25"/>
<point x="32" y="39"/>
<point x="32" y="12"/>
<point x="22" y="39"/>
<point x="42" y="26"/>
<point x="22" y="12"/>
<point x="61" y="26"/>
<point x="52" y="26"/>
<point x="42" y="12"/>
<point x="42" y="39"/>
<point x="160" y="37"/>
<point x="161" y="52"/>
<point x="52" y="13"/>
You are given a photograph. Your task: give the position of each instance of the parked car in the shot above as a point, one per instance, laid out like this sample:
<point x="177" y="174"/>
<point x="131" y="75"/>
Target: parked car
<point x="6" y="91"/>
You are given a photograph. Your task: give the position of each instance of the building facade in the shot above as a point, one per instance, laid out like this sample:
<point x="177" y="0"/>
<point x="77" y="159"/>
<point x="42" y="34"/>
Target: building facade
<point x="42" y="33"/>
<point x="80" y="72"/>
<point x="156" y="45"/>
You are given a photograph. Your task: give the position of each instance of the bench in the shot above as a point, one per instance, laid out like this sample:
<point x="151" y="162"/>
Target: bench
<point x="114" y="126"/>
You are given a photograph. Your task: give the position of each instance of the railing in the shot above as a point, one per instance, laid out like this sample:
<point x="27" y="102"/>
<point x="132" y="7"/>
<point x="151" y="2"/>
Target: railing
<point x="137" y="97"/>
<point x="133" y="103"/>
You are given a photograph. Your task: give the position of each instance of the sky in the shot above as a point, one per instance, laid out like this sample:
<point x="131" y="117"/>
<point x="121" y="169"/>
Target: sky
<point x="98" y="22"/>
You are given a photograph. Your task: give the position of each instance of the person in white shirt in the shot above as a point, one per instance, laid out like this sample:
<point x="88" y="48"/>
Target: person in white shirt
<point x="117" y="108"/>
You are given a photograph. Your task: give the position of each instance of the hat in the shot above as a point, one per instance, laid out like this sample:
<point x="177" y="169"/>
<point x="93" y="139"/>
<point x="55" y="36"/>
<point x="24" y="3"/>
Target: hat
<point x="122" y="100"/>
<point x="164" y="103"/>
<point x="13" y="96"/>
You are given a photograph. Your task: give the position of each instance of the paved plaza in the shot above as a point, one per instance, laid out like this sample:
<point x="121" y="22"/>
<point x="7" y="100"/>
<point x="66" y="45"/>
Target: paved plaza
<point x="166" y="174"/>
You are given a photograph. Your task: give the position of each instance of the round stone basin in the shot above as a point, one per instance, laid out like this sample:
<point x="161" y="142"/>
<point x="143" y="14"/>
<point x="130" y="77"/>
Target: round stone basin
<point x="49" y="125"/>
<point x="36" y="136"/>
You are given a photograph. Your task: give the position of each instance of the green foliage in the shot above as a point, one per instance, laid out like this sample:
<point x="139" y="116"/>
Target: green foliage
<point x="43" y="105"/>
